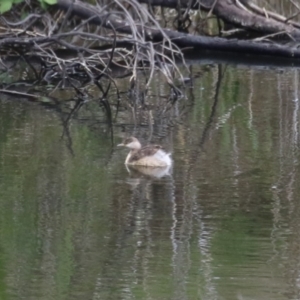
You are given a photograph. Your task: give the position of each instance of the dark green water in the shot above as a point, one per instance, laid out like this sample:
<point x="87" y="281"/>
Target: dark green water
<point x="75" y="224"/>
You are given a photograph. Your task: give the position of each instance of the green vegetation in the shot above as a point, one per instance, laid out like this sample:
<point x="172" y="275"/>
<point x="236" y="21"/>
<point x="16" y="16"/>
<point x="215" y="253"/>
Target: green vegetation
<point x="6" y="5"/>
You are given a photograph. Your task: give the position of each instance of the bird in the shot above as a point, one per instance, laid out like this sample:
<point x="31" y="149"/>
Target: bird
<point x="148" y="156"/>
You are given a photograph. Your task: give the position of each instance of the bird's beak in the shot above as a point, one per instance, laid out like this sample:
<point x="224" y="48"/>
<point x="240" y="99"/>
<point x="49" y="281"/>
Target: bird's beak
<point x="120" y="145"/>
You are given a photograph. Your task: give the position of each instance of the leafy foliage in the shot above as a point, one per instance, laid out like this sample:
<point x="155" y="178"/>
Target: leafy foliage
<point x="6" y="5"/>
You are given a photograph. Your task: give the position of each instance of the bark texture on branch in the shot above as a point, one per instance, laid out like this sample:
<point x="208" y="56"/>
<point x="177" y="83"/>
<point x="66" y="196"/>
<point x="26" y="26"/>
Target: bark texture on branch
<point x="110" y="21"/>
<point x="239" y="15"/>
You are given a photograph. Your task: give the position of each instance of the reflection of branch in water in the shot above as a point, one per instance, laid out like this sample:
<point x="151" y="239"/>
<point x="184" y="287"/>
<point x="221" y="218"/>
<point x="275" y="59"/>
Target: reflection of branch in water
<point x="66" y="132"/>
<point x="214" y="106"/>
<point x="104" y="101"/>
<point x="65" y="123"/>
<point x="107" y="107"/>
<point x="205" y="234"/>
<point x="211" y="117"/>
<point x="63" y="111"/>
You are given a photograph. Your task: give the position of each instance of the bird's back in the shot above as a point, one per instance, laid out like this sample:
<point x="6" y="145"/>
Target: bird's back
<point x="151" y="155"/>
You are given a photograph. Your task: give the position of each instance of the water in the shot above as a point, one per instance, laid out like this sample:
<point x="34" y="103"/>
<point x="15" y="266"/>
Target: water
<point x="75" y="224"/>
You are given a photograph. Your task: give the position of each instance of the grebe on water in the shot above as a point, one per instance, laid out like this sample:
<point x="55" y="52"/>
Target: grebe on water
<point x="148" y="156"/>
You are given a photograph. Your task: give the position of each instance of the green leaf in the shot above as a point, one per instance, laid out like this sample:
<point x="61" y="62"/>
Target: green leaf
<point x="43" y="4"/>
<point x="5" y="6"/>
<point x="51" y="2"/>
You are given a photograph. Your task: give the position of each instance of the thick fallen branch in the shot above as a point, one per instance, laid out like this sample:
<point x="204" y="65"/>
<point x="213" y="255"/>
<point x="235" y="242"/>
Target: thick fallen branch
<point x="239" y="13"/>
<point x="182" y="40"/>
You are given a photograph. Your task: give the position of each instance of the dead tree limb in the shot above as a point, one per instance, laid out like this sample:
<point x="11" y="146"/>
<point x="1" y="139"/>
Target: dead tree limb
<point x="112" y="21"/>
<point x="246" y="15"/>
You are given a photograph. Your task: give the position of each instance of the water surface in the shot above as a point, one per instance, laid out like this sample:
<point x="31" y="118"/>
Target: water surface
<point x="75" y="224"/>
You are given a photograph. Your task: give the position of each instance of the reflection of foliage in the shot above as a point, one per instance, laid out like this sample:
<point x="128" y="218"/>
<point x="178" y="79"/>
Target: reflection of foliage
<point x="44" y="196"/>
<point x="74" y="225"/>
<point x="237" y="241"/>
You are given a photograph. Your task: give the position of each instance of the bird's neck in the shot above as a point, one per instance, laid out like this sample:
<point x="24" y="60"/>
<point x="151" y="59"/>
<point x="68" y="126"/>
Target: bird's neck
<point x="135" y="146"/>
